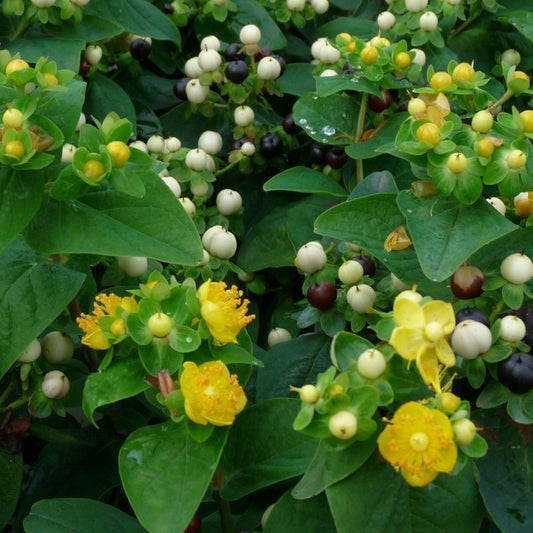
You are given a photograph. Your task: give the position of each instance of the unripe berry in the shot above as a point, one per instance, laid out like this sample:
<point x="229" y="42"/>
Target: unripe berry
<point x="527" y="120"/>
<point x="429" y="133"/>
<point x="228" y="202"/>
<point x="93" y="54"/>
<point x="223" y="244"/>
<point x="210" y="142"/>
<point x="485" y="148"/>
<point x="386" y="20"/>
<point x="277" y="335"/>
<point x="309" y="394"/>
<point x="497" y="204"/>
<point x="14" y="148"/>
<point x="371" y="364"/>
<point x="369" y="55"/>
<point x="248" y="149"/>
<point x="402" y="60"/>
<point x="196" y="92"/>
<point x="516" y="159"/>
<point x="511" y="56"/>
<point x="80" y="3"/>
<point x="67" y="153"/>
<point x="210" y="42"/>
<point x="343" y="425"/>
<point x="512" y="328"/>
<point x="320" y="6"/>
<point x="457" y="163"/>
<point x="196" y="159"/>
<point x="155" y="144"/>
<point x="361" y="298"/>
<point x="159" y="325"/>
<point x="15" y="65"/>
<point x="209" y="60"/>
<point x="250" y="34"/>
<point x="58" y="347"/>
<point x="188" y="205"/>
<point x="311" y="257"/>
<point x="464" y="431"/>
<point x="464" y="72"/>
<point x="31" y="353"/>
<point x="517" y="268"/>
<point x="482" y="121"/>
<point x="13" y="118"/>
<point x="471" y="338"/>
<point x="428" y="21"/>
<point x="296" y="5"/>
<point x="351" y="272"/>
<point x="416" y="106"/>
<point x="440" y="81"/>
<point x="243" y="115"/>
<point x="329" y="54"/>
<point x="55" y="385"/>
<point x="133" y="266"/>
<point x="416" y="5"/>
<point x="120" y="153"/>
<point x="420" y="57"/>
<point x="192" y="68"/>
<point x="448" y="402"/>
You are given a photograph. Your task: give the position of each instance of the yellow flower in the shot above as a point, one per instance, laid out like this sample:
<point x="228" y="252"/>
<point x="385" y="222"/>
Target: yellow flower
<point x="437" y="108"/>
<point x="105" y="305"/>
<point x="419" y="443"/>
<point x="211" y="393"/>
<point x="223" y="310"/>
<point x="421" y="335"/>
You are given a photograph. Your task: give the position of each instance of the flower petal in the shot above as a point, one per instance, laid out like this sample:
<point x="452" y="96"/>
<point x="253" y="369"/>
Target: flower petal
<point x="427" y="363"/>
<point x="445" y="352"/>
<point x="96" y="340"/>
<point x="407" y="341"/>
<point x="441" y="312"/>
<point x="408" y="313"/>
<point x="420" y="477"/>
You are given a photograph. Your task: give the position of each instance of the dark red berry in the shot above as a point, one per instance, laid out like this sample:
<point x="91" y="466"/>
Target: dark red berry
<point x="380" y="104"/>
<point x="336" y="157"/>
<point x="317" y="154"/>
<point x="271" y="145"/>
<point x="289" y="125"/>
<point x="369" y="267"/>
<point x="516" y="373"/>
<point x="467" y="282"/>
<point x="472" y="313"/>
<point x="140" y="49"/>
<point x="526" y="314"/>
<point x="234" y="51"/>
<point x="322" y="294"/>
<point x="237" y="71"/>
<point x="195" y="525"/>
<point x="265" y="51"/>
<point x="168" y="8"/>
<point x="85" y="67"/>
<point x="179" y="88"/>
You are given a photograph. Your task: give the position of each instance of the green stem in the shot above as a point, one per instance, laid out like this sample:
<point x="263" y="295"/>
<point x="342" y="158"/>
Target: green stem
<point x="506" y="95"/>
<point x="496" y="311"/>
<point x="21" y="28"/>
<point x="226" y="520"/>
<point x="226" y="169"/>
<point x="9" y="389"/>
<point x="13" y="405"/>
<point x="465" y="24"/>
<point x="359" y="134"/>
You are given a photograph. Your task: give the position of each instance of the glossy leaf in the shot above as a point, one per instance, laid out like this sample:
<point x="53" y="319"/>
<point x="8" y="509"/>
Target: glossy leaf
<point x="166" y="473"/>
<point x="304" y="180"/>
<point x="11" y="472"/>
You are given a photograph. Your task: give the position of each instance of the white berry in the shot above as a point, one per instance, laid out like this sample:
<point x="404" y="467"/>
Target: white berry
<point x="428" y="21"/>
<point x="82" y="120"/>
<point x="228" y="202"/>
<point x="188" y="205"/>
<point x="43" y="3"/>
<point x="416" y="5"/>
<point x="192" y="68"/>
<point x="320" y="6"/>
<point x="328" y="73"/>
<point x="80" y="3"/>
<point x="420" y="57"/>
<point x="58" y="347"/>
<point x="361" y="297"/>
<point x="210" y="142"/>
<point x="343" y="425"/>
<point x="464" y="431"/>
<point x="172" y="144"/>
<point x="139" y="145"/>
<point x="31" y="353"/>
<point x="55" y="385"/>
<point x="351" y="272"/>
<point x="511" y="56"/>
<point x="497" y="204"/>
<point x="210" y="42"/>
<point x="517" y="268"/>
<point x="133" y="266"/>
<point x="223" y="244"/>
<point x="295" y="5"/>
<point x="371" y="364"/>
<point x="93" y="54"/>
<point x="398" y="284"/>
<point x="386" y="20"/>
<point x="512" y="328"/>
<point x="173" y="185"/>
<point x="329" y="54"/>
<point x="268" y="68"/>
<point x="200" y="188"/>
<point x="196" y="92"/>
<point x="250" y="34"/>
<point x="471" y="338"/>
<point x="209" y="60"/>
<point x="243" y="116"/>
<point x="277" y="335"/>
<point x="317" y="46"/>
<point x="196" y="159"/>
<point x="248" y="149"/>
<point x="311" y="257"/>
<point x="67" y="153"/>
<point x="155" y="144"/>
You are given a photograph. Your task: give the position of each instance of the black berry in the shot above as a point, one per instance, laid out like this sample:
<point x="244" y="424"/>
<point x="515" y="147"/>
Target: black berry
<point x="336" y="157"/>
<point x="234" y="51"/>
<point x="140" y="49"/>
<point x="317" y="154"/>
<point x="369" y="267"/>
<point x="168" y="9"/>
<point x="271" y="145"/>
<point x="179" y="88"/>
<point x="472" y="313"/>
<point x="516" y="373"/>
<point x="237" y="71"/>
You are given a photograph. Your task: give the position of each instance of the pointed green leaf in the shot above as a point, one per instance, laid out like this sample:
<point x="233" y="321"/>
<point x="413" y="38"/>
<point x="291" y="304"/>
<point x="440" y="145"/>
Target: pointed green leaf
<point x="11" y="466"/>
<point x="305" y="180"/>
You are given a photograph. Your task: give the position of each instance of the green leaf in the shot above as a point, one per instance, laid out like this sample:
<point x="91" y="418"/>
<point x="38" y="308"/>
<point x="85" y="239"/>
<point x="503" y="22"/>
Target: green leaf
<point x="446" y="233"/>
<point x="330" y="466"/>
<point x="476" y="372"/>
<point x="94" y="28"/>
<point x="325" y="119"/>
<point x="137" y="17"/>
<point x="368" y="221"/>
<point x="298" y="79"/>
<point x="20" y="197"/>
<point x="513" y="295"/>
<point x="78" y="515"/>
<point x="398" y="507"/>
<point x="385" y="135"/>
<point x="249" y="464"/>
<point x="166" y="473"/>
<point x="158" y="355"/>
<point x="325" y="86"/>
<point x="122" y="379"/>
<point x="33" y="292"/>
<point x="104" y="96"/>
<point x="305" y="180"/>
<point x="295" y="362"/>
<point x="505" y="475"/>
<point x="494" y="395"/>
<point x="108" y="222"/>
<point x="347" y="348"/>
<point x="295" y="516"/>
<point x="361" y="27"/>
<point x="11" y="466"/>
<point x="521" y="20"/>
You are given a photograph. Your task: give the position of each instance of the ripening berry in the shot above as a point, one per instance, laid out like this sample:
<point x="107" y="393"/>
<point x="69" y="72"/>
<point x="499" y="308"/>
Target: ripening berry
<point x="440" y="81"/>
<point x="464" y="72"/>
<point x="428" y="21"/>
<point x="16" y="64"/>
<point x="482" y="121"/>
<point x="428" y="132"/>
<point x="369" y="55"/>
<point x="386" y="20"/>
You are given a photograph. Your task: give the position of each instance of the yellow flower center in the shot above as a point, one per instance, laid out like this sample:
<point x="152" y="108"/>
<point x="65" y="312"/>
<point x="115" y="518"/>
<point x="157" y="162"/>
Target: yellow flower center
<point x="434" y="331"/>
<point x="419" y="442"/>
<point x="118" y="327"/>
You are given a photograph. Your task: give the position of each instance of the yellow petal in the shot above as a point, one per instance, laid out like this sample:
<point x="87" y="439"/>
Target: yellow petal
<point x="203" y="291"/>
<point x="408" y="313"/>
<point x="427" y="363"/>
<point x="445" y="352"/>
<point x="441" y="312"/>
<point x="96" y="340"/>
<point x="407" y="341"/>
<point x="194" y="414"/>
<point x="422" y="477"/>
